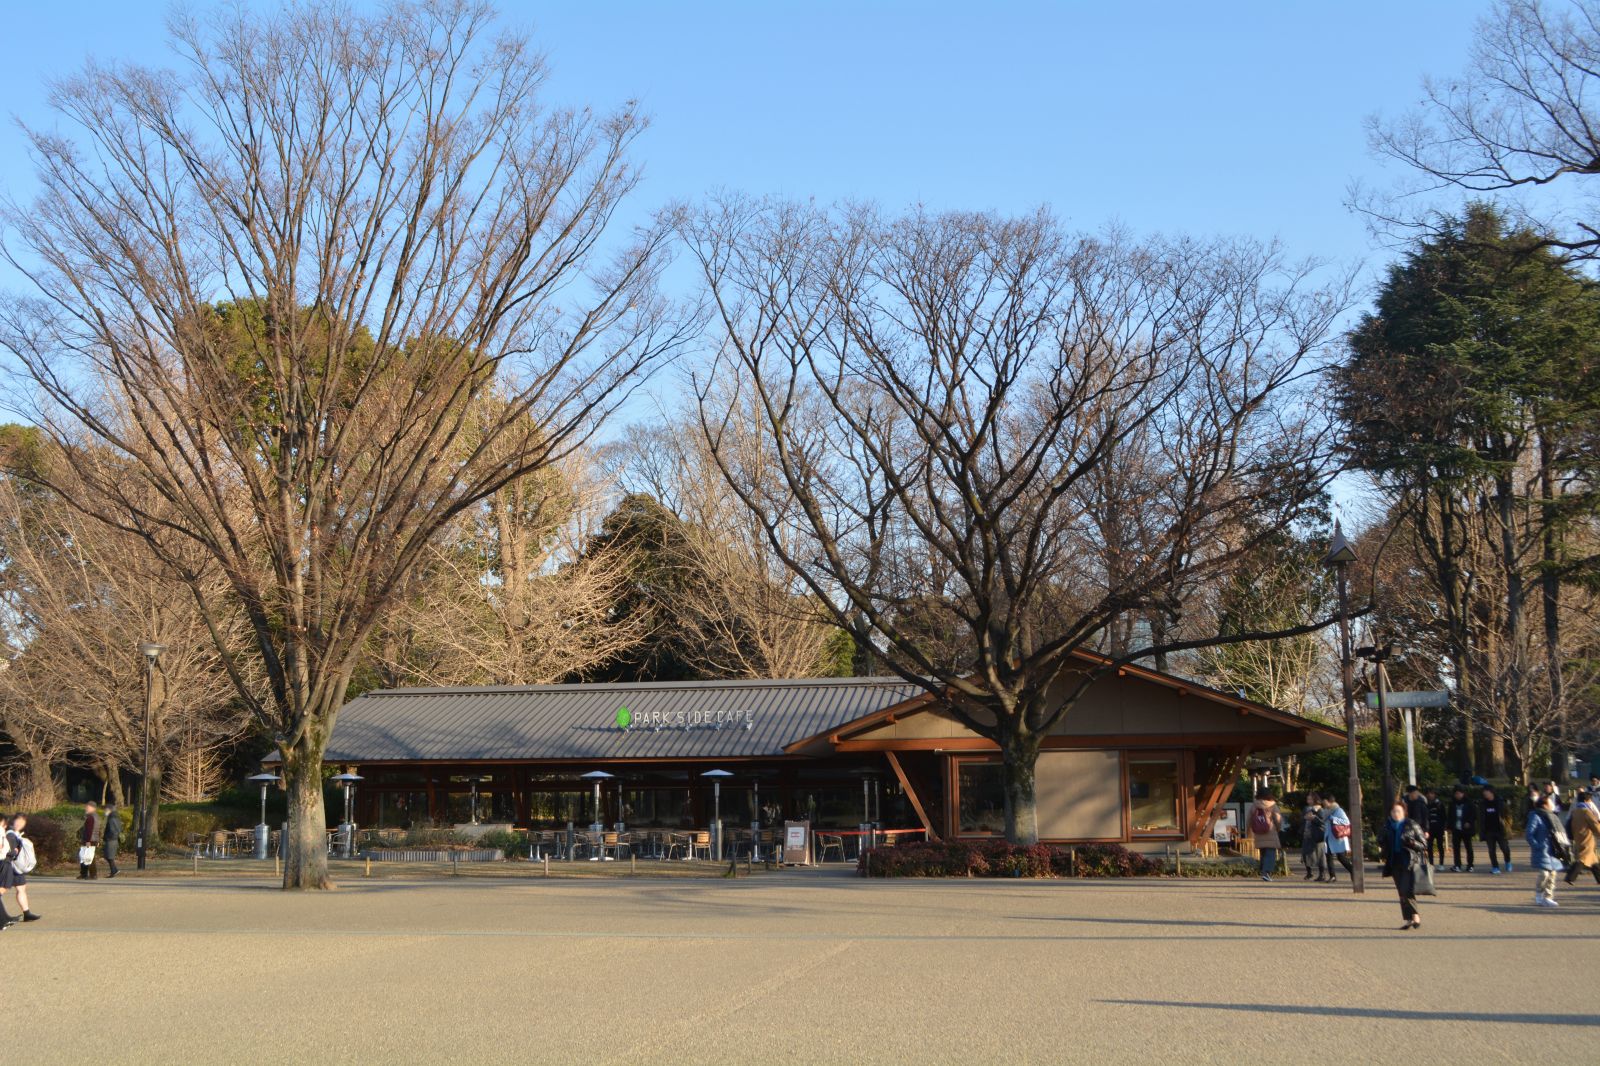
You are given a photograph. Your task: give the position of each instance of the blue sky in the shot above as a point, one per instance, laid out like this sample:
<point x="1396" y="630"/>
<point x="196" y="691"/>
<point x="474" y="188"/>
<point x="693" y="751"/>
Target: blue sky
<point x="1240" y="118"/>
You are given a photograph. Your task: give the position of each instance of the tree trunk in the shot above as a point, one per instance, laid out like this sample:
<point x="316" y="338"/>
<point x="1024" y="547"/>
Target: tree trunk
<point x="1505" y="502"/>
<point x="152" y="814"/>
<point x="305" y="863"/>
<point x="1020" y="755"/>
<point x="113" y="777"/>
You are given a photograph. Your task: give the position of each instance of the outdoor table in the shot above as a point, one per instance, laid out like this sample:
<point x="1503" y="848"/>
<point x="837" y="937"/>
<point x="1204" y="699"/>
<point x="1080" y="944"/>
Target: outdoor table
<point x="894" y="835"/>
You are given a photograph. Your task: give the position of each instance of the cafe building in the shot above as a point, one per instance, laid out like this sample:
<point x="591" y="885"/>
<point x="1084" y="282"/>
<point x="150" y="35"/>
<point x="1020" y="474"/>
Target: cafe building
<point x="1143" y="758"/>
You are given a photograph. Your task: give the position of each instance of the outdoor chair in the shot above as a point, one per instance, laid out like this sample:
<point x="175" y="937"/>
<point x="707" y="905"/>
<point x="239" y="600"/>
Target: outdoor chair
<point x="221" y="842"/>
<point x="542" y="843"/>
<point x="677" y="842"/>
<point x="196" y="842"/>
<point x="700" y="842"/>
<point x="827" y="842"/>
<point x="613" y="843"/>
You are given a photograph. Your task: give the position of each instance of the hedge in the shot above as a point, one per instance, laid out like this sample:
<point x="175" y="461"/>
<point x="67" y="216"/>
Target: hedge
<point x="997" y="858"/>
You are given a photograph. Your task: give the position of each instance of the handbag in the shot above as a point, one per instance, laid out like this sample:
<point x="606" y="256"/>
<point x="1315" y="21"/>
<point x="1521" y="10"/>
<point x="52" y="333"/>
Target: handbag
<point x="86" y="855"/>
<point x="1424" y="880"/>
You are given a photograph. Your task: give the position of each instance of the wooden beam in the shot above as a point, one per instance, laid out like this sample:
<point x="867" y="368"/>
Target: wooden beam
<point x="911" y="794"/>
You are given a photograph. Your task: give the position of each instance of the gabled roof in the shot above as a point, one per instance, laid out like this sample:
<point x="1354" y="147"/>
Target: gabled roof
<point x="668" y="720"/>
<point x="1315" y="734"/>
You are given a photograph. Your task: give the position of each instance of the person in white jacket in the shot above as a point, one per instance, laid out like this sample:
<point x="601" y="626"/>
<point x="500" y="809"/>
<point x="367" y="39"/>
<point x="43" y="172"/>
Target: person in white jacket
<point x="1336" y="824"/>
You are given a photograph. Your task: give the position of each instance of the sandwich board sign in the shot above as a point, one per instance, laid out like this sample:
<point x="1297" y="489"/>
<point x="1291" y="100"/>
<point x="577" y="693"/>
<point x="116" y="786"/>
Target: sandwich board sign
<point x="797" y="843"/>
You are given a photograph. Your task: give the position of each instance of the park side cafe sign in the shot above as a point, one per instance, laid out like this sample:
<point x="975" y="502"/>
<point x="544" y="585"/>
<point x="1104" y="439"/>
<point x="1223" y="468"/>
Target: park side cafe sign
<point x="627" y="719"/>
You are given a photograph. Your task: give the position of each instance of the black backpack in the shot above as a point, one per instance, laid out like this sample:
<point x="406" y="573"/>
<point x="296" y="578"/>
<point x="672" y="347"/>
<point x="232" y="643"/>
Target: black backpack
<point x="1560" y="843"/>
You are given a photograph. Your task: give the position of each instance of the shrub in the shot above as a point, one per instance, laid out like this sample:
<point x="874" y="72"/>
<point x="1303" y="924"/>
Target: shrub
<point x="53" y="845"/>
<point x="997" y="858"/>
<point x="176" y="826"/>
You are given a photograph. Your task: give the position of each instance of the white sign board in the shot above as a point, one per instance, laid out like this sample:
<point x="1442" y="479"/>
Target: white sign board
<point x="1435" y="698"/>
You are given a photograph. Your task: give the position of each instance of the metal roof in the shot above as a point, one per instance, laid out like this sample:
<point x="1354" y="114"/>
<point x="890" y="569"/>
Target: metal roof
<point x="667" y="720"/>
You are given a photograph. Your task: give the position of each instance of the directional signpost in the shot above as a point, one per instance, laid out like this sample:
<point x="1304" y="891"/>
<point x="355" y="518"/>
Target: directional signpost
<point x="1410" y="701"/>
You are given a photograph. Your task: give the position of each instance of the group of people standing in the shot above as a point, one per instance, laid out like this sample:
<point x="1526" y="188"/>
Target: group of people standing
<point x="98" y="833"/>
<point x="1412" y="839"/>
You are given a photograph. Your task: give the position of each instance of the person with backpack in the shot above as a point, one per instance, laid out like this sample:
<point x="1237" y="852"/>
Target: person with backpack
<point x="1548" y="843"/>
<point x="14" y="869"/>
<point x="88" y="840"/>
<point x="111" y="839"/>
<point x="1265" y="821"/>
<point x="1404" y="847"/>
<point x="1584" y="829"/>
<point x="1492" y="828"/>
<point x="1438" y="818"/>
<point x="1313" y="848"/>
<point x="1461" y="819"/>
<point x="1337" y="825"/>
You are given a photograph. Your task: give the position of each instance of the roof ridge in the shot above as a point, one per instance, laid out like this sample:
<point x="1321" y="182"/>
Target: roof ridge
<point x="633" y="686"/>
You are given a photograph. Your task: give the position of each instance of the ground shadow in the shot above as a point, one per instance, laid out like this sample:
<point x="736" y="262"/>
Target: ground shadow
<point x="1381" y="1013"/>
<point x="1200" y="923"/>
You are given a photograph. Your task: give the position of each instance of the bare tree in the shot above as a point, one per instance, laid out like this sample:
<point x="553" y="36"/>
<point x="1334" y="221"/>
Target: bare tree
<point x="737" y="610"/>
<point x="275" y="285"/>
<point x="1521" y="117"/>
<point x="507" y="596"/>
<point x="944" y="387"/>
<point x="82" y="596"/>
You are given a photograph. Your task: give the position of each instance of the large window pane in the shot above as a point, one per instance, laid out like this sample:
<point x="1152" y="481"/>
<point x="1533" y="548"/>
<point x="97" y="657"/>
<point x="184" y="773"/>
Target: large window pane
<point x="1153" y="795"/>
<point x="983" y="797"/>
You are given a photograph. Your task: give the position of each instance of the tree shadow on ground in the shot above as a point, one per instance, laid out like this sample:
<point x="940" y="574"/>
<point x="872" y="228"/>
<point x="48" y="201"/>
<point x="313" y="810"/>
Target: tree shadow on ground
<point x="1199" y="923"/>
<point x="1380" y="1013"/>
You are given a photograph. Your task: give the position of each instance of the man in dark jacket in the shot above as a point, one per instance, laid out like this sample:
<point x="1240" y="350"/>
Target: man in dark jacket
<point x="1492" y="827"/>
<point x="1436" y="827"/>
<point x="112" y="838"/>
<point x="1416" y="806"/>
<point x="89" y="836"/>
<point x="1461" y="820"/>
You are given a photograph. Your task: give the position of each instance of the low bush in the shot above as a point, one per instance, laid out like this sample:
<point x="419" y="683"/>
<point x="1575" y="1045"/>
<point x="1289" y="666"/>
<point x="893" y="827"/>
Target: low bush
<point x="998" y="858"/>
<point x="503" y="839"/>
<point x="53" y="844"/>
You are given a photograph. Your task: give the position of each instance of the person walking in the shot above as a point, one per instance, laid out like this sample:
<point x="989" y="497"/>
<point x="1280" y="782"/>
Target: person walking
<point x="1461" y="818"/>
<point x="88" y="837"/>
<point x="1548" y="845"/>
<point x="1584" y="829"/>
<point x="1336" y="824"/>
<point x="1438" y="819"/>
<point x="1265" y="822"/>
<point x="1492" y="828"/>
<point x="1313" y="848"/>
<point x="1416" y="806"/>
<point x="1404" y="847"/>
<point x="14" y="869"/>
<point x="111" y="838"/>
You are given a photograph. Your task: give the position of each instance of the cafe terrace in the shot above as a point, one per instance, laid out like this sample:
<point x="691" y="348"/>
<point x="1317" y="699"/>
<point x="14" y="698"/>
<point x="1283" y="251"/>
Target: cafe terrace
<point x="1143" y="758"/>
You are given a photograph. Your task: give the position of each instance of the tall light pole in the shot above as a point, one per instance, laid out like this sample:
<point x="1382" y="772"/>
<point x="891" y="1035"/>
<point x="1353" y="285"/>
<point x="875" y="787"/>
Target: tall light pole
<point x="151" y="653"/>
<point x="1378" y="656"/>
<point x="1340" y="556"/>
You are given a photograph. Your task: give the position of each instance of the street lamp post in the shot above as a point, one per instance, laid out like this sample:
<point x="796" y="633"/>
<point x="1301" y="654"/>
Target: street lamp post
<point x="716" y="809"/>
<point x="1340" y="556"/>
<point x="1378" y="656"/>
<point x="151" y="653"/>
<point x="262" y="832"/>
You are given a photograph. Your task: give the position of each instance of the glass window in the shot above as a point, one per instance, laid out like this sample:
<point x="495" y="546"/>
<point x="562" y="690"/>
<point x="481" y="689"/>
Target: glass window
<point x="1153" y="795"/>
<point x="981" y="788"/>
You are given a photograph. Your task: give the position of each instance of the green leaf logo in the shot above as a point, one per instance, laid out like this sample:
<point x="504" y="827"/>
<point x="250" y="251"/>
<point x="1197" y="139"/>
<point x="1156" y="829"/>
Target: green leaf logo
<point x="624" y="718"/>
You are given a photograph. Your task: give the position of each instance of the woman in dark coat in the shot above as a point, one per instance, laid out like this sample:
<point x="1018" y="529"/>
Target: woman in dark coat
<point x="112" y="838"/>
<point x="1404" y="846"/>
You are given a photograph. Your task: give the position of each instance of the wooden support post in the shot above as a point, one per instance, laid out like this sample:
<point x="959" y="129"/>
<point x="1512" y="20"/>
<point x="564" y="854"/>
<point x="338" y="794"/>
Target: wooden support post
<point x="547" y="866"/>
<point x="368" y="872"/>
<point x="197" y="864"/>
<point x="633" y="863"/>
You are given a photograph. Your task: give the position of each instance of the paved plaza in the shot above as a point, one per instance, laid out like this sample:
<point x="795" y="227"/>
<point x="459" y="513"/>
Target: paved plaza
<point x="801" y="967"/>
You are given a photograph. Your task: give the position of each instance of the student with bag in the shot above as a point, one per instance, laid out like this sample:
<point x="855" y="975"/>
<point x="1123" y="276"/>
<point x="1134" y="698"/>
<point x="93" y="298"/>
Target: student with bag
<point x="14" y="869"/>
<point x="1404" y="846"/>
<point x="1492" y="828"/>
<point x="1338" y="827"/>
<point x="1265" y="821"/>
<point x="1547" y="840"/>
